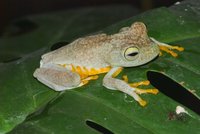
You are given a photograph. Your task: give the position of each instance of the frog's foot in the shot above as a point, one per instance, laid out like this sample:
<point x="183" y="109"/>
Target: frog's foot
<point x="137" y="84"/>
<point x="86" y="80"/>
<point x="146" y="91"/>
<point x="142" y="102"/>
<point x="112" y="83"/>
<point x="168" y="48"/>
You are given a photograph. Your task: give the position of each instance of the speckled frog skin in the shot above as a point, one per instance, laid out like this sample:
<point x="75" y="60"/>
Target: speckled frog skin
<point x="77" y="63"/>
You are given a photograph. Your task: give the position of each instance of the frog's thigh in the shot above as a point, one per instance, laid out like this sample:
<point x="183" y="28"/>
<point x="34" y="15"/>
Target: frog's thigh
<point x="58" y="80"/>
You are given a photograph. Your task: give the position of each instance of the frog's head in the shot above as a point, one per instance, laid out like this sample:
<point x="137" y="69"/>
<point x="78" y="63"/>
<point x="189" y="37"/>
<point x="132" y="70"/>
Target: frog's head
<point x="134" y="49"/>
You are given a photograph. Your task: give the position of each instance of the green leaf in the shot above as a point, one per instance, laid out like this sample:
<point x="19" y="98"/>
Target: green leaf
<point x="21" y="94"/>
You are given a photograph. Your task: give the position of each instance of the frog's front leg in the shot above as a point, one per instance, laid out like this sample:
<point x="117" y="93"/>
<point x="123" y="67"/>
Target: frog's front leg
<point x="115" y="84"/>
<point x="167" y="48"/>
<point x="57" y="77"/>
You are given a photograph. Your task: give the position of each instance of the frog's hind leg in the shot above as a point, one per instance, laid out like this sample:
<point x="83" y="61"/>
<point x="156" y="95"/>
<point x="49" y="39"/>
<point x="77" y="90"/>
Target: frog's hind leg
<point x="57" y="78"/>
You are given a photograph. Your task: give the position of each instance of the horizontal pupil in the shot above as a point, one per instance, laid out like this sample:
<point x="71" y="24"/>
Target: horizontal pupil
<point x="133" y="54"/>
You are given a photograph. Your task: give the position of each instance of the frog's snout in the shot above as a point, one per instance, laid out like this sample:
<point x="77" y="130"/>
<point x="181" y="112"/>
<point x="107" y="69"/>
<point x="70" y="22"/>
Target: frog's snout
<point x="150" y="53"/>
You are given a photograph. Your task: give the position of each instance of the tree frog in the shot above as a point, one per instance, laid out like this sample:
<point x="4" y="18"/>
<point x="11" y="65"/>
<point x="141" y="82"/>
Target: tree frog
<point x="77" y="63"/>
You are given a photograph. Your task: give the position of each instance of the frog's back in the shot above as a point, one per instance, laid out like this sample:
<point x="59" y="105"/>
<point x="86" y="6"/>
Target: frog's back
<point x="85" y="51"/>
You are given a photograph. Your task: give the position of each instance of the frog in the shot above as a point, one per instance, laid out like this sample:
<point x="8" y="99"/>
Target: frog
<point x="85" y="58"/>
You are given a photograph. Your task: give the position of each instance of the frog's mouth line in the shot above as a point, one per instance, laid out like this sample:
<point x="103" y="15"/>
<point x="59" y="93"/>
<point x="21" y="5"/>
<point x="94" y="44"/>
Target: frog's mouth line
<point x="145" y="63"/>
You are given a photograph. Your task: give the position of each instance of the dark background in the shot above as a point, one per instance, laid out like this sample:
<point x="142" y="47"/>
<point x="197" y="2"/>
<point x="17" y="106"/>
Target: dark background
<point x="12" y="9"/>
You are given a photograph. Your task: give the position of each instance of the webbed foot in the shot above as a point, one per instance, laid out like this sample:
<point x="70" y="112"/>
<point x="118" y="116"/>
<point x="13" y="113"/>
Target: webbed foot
<point x="168" y="48"/>
<point x="137" y="90"/>
<point x="86" y="80"/>
<point x="131" y="89"/>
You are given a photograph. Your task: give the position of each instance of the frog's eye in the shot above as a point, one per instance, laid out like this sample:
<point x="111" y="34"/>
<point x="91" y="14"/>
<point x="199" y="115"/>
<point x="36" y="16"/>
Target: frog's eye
<point x="131" y="53"/>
